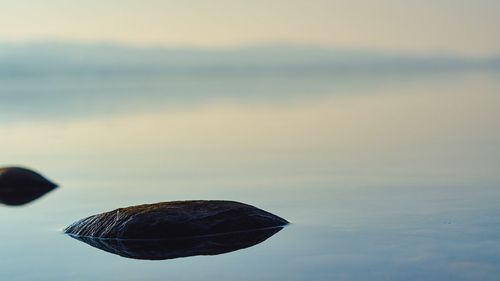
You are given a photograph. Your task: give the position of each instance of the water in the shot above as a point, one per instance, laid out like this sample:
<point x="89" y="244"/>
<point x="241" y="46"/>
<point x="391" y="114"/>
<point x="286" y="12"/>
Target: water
<point x="383" y="176"/>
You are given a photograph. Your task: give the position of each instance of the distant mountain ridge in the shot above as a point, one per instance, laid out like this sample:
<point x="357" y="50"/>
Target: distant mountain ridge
<point x="46" y="58"/>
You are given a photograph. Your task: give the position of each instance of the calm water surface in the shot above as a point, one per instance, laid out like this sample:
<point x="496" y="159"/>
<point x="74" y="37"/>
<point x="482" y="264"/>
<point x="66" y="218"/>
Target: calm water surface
<point x="384" y="177"/>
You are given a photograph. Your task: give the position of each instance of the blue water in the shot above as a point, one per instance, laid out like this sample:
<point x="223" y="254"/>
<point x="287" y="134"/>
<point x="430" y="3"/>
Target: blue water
<point x="383" y="177"/>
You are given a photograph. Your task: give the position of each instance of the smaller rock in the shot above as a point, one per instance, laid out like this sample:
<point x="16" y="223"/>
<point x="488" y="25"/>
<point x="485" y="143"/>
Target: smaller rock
<point x="19" y="186"/>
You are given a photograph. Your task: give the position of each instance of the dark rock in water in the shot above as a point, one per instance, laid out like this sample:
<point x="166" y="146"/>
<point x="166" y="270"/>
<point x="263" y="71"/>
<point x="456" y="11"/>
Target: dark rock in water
<point x="19" y="186"/>
<point x="178" y="219"/>
<point x="162" y="249"/>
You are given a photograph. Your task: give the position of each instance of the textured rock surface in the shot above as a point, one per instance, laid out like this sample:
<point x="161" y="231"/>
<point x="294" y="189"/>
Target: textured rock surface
<point x="178" y="219"/>
<point x="153" y="249"/>
<point x="19" y="186"/>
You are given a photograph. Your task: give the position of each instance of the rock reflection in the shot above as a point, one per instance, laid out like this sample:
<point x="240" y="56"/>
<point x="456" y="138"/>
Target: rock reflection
<point x="19" y="186"/>
<point x="162" y="249"/>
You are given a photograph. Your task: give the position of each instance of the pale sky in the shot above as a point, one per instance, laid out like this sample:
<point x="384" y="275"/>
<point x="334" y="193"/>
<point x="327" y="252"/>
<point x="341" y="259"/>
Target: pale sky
<point x="469" y="27"/>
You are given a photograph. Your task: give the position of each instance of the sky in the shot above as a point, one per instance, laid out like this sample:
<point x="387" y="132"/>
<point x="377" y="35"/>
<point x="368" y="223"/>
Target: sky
<point x="468" y="27"/>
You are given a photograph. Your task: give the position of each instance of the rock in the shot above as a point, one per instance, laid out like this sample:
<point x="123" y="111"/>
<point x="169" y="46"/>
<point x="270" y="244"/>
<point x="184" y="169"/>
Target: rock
<point x="154" y="249"/>
<point x="19" y="186"/>
<point x="177" y="229"/>
<point x="177" y="219"/>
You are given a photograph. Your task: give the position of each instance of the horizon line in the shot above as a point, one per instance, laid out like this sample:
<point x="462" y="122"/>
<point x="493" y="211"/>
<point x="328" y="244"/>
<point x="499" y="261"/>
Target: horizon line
<point x="243" y="46"/>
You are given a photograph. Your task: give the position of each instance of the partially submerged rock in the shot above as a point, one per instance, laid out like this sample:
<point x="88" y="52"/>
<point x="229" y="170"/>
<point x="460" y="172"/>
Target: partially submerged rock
<point x="177" y="219"/>
<point x="19" y="186"/>
<point x="161" y="249"/>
